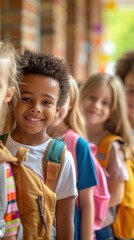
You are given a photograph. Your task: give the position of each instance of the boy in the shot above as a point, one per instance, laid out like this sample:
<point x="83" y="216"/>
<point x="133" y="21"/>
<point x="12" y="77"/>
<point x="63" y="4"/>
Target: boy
<point x="44" y="88"/>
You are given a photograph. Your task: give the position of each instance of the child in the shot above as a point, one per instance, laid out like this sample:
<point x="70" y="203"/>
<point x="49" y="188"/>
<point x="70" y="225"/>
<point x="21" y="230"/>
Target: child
<point x="44" y="87"/>
<point x="8" y="74"/>
<point x="125" y="70"/>
<point x="103" y="104"/>
<point x="69" y="119"/>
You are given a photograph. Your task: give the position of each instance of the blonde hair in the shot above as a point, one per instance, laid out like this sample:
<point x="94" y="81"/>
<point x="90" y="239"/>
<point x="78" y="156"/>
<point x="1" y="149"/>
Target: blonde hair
<point x="118" y="122"/>
<point x="8" y="58"/>
<point x="8" y="61"/>
<point x="74" y="117"/>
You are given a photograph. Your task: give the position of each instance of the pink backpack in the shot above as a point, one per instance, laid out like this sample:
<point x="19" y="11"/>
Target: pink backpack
<point x="101" y="192"/>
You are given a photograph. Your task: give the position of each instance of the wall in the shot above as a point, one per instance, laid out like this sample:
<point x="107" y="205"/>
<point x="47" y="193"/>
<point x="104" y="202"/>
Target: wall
<point x="69" y="29"/>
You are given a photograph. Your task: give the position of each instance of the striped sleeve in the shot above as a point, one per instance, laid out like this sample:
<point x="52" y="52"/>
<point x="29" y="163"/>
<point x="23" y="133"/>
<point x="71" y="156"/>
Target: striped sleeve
<point x="12" y="215"/>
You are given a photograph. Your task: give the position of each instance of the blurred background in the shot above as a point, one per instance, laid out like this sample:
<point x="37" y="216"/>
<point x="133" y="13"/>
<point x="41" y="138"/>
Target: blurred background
<point x="89" y="34"/>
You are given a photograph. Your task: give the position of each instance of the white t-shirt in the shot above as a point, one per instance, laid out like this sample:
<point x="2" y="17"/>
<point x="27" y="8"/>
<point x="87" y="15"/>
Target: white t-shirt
<point x="66" y="184"/>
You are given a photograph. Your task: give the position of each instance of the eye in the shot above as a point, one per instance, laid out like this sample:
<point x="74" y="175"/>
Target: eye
<point x="105" y="103"/>
<point x="46" y="102"/>
<point x="25" y="99"/>
<point x="130" y="91"/>
<point x="92" y="97"/>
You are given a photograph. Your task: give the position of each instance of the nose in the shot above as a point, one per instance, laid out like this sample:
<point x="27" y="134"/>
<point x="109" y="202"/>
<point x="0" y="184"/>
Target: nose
<point x="97" y="104"/>
<point x="36" y="109"/>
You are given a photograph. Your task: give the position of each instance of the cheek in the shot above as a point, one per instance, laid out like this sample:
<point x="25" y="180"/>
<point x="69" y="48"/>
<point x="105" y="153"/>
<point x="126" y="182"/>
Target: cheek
<point x="16" y="112"/>
<point x="86" y="105"/>
<point x="108" y="111"/>
<point x="130" y="99"/>
<point x="18" y="109"/>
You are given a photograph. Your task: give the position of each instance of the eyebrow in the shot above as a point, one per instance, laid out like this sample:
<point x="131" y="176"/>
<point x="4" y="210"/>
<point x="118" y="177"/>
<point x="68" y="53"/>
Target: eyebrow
<point x="43" y="95"/>
<point x="107" y="99"/>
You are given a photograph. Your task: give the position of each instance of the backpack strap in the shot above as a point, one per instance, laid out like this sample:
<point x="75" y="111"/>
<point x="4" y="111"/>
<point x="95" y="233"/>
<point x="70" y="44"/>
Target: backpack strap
<point x="71" y="138"/>
<point x="53" y="159"/>
<point x="3" y="138"/>
<point x="104" y="148"/>
<point x="21" y="155"/>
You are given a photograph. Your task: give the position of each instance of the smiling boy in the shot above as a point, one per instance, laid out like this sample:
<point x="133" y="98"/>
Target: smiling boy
<point x="44" y="88"/>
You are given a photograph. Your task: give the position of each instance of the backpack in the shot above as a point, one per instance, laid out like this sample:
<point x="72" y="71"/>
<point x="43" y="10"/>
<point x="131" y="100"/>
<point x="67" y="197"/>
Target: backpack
<point x="100" y="191"/>
<point x="123" y="225"/>
<point x="36" y="199"/>
<point x="3" y="188"/>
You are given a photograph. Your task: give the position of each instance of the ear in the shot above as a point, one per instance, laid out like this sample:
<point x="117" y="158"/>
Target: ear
<point x="9" y="94"/>
<point x="57" y="111"/>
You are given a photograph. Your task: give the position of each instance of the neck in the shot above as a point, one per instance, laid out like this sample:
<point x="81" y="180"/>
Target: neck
<point x="94" y="131"/>
<point x="29" y="139"/>
<point x="94" y="134"/>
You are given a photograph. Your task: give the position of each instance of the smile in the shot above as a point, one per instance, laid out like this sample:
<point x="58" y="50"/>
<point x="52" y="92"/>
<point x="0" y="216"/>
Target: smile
<point x="34" y="119"/>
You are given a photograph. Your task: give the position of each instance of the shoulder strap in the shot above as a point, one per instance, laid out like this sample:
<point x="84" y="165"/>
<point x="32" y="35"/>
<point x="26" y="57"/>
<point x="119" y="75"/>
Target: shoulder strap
<point x="71" y="139"/>
<point x="53" y="159"/>
<point x="3" y="137"/>
<point x="55" y="151"/>
<point x="104" y="148"/>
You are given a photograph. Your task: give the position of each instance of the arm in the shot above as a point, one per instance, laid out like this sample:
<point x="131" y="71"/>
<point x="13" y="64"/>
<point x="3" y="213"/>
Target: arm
<point x="118" y="174"/>
<point x="116" y="189"/>
<point x="65" y="218"/>
<point x="87" y="213"/>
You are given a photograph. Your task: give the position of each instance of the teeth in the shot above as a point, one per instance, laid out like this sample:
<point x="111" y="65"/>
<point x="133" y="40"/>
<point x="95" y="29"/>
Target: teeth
<point x="33" y="119"/>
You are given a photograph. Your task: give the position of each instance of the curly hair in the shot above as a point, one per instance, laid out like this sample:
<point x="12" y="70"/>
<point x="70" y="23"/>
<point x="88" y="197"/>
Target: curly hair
<point x="32" y="62"/>
<point x="125" y="65"/>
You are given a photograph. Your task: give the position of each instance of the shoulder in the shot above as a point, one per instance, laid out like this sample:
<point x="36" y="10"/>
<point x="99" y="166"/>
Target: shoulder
<point x="116" y="147"/>
<point x="82" y="143"/>
<point x="66" y="184"/>
<point x="68" y="159"/>
<point x="117" y="165"/>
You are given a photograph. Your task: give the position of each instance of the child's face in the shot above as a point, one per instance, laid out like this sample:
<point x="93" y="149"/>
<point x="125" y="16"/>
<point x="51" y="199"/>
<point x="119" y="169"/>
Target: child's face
<point x="129" y="84"/>
<point x="38" y="105"/>
<point x="96" y="106"/>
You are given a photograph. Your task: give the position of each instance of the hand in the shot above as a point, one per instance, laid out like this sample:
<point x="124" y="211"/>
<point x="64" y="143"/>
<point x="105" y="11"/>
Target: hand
<point x="5" y="155"/>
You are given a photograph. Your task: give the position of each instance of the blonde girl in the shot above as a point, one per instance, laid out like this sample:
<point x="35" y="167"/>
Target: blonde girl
<point x="8" y="84"/>
<point x="70" y="119"/>
<point x="103" y="104"/>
